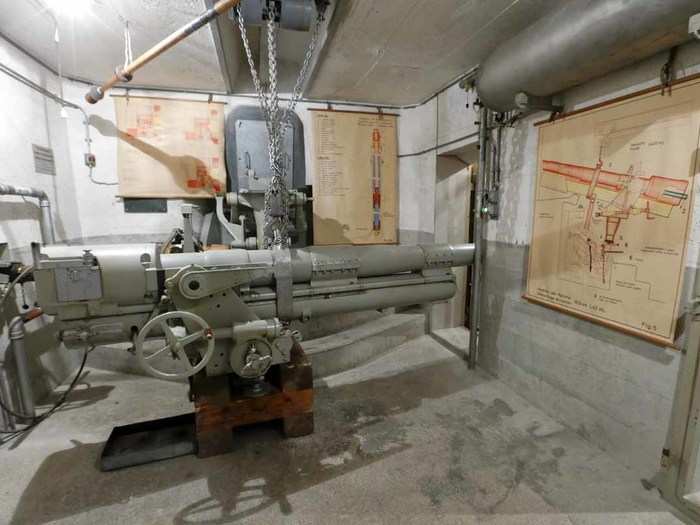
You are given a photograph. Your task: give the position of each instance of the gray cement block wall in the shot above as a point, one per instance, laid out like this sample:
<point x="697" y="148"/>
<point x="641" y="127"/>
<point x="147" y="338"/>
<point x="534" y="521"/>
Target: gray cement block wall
<point x="614" y="389"/>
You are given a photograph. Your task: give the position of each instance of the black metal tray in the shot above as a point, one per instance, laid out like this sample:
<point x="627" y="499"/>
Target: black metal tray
<point x="148" y="441"/>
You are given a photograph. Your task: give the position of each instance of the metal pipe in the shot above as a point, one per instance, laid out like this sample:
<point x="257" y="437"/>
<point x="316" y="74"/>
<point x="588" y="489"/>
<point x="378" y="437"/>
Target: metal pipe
<point x="46" y="222"/>
<point x="580" y="41"/>
<point x="357" y="302"/>
<point x="475" y="299"/>
<point x="126" y="73"/>
<point x="5" y="396"/>
<point x="370" y="261"/>
<point x="24" y="381"/>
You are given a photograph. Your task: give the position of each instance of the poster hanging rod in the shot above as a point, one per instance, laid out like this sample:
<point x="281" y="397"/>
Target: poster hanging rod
<point x="647" y="91"/>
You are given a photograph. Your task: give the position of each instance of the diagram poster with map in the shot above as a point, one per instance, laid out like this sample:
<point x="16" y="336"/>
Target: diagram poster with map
<point x="613" y="204"/>
<point x="355" y="159"/>
<point x="169" y="148"/>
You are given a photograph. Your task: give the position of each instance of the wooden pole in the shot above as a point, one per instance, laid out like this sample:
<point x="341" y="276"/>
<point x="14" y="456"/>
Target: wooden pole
<point x="126" y="73"/>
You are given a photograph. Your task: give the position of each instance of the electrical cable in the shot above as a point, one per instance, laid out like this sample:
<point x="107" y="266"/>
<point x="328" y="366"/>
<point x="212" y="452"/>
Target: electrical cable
<point x="35" y="420"/>
<point x="11" y="286"/>
<point x="38" y="419"/>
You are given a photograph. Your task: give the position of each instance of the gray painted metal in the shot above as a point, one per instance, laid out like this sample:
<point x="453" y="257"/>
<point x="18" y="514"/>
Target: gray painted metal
<point x="247" y="145"/>
<point x="129" y="288"/>
<point x="360" y="301"/>
<point x="296" y="14"/>
<point x="372" y="261"/>
<point x="234" y="291"/>
<point x="46" y="222"/>
<point x="580" y="41"/>
<point x="475" y="299"/>
<point x="16" y="330"/>
<point x="679" y="461"/>
<point x="140" y="205"/>
<point x="7" y="420"/>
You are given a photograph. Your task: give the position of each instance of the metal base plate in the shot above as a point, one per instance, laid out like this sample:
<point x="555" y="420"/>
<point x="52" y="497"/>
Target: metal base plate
<point x="149" y="441"/>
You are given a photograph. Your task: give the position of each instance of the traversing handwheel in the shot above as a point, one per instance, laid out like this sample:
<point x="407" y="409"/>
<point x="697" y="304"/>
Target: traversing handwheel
<point x="175" y="346"/>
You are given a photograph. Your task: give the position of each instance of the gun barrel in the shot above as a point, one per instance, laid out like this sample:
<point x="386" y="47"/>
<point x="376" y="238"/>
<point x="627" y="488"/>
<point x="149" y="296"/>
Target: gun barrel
<point x="127" y="280"/>
<point x="363" y="261"/>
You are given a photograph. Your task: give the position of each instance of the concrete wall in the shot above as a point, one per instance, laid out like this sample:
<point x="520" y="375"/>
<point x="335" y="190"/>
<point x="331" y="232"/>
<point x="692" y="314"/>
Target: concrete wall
<point x="616" y="390"/>
<point x="445" y="125"/>
<point x="29" y="118"/>
<point x="435" y="147"/>
<point x="452" y="217"/>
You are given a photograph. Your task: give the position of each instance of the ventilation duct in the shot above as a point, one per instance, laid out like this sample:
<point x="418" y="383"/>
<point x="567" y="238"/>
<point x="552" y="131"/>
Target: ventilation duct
<point x="581" y="40"/>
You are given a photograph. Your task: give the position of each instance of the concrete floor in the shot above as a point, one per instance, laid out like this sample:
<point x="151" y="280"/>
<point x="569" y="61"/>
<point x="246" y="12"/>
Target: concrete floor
<point x="413" y="437"/>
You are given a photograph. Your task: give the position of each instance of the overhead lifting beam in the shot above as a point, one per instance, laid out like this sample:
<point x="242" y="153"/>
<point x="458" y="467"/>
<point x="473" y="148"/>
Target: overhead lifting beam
<point x="126" y="73"/>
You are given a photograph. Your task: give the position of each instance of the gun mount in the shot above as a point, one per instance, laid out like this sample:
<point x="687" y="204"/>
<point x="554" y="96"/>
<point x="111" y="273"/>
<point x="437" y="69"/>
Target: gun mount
<point x="228" y="311"/>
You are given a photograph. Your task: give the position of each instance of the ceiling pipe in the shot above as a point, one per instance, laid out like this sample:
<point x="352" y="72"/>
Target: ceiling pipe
<point x="126" y="73"/>
<point x="580" y="41"/>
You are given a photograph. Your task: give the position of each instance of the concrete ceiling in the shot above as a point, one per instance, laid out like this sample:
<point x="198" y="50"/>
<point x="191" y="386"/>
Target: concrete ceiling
<point x="387" y="52"/>
<point x="92" y="42"/>
<point x="402" y="51"/>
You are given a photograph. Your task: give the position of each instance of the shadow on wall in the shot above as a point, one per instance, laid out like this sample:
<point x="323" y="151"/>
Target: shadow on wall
<point x="19" y="211"/>
<point x="181" y="167"/>
<point x="330" y="229"/>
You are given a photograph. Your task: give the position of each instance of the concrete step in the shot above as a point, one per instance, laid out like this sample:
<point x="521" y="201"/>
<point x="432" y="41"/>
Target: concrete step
<point x="358" y="345"/>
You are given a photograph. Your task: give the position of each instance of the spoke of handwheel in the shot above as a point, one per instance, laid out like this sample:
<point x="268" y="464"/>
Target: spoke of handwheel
<point x="169" y="335"/>
<point x="192" y="338"/>
<point x="154" y="354"/>
<point x="185" y="360"/>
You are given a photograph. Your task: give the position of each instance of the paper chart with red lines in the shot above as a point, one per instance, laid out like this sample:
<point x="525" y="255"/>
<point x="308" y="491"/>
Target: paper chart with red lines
<point x="170" y="148"/>
<point x="613" y="205"/>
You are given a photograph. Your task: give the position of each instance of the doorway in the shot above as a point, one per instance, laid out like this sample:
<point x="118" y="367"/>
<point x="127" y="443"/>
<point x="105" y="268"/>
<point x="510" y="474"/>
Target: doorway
<point x="453" y="189"/>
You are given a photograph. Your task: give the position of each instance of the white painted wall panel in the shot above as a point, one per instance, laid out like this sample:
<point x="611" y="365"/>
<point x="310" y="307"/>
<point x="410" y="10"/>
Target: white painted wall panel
<point x="29" y="118"/>
<point x="456" y="116"/>
<point x="417" y="193"/>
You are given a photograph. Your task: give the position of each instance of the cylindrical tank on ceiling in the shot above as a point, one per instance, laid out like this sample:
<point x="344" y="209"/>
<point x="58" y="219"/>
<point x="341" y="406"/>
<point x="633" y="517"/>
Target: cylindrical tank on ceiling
<point x="579" y="41"/>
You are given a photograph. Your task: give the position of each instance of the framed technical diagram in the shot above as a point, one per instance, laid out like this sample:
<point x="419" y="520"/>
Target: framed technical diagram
<point x="169" y="148"/>
<point x="612" y="211"/>
<point x="354" y="178"/>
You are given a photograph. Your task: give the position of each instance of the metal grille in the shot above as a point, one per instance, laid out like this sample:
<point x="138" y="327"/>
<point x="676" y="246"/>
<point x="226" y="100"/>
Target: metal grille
<point x="43" y="160"/>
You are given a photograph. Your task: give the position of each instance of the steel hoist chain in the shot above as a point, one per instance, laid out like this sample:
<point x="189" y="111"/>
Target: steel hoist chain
<point x="276" y="207"/>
